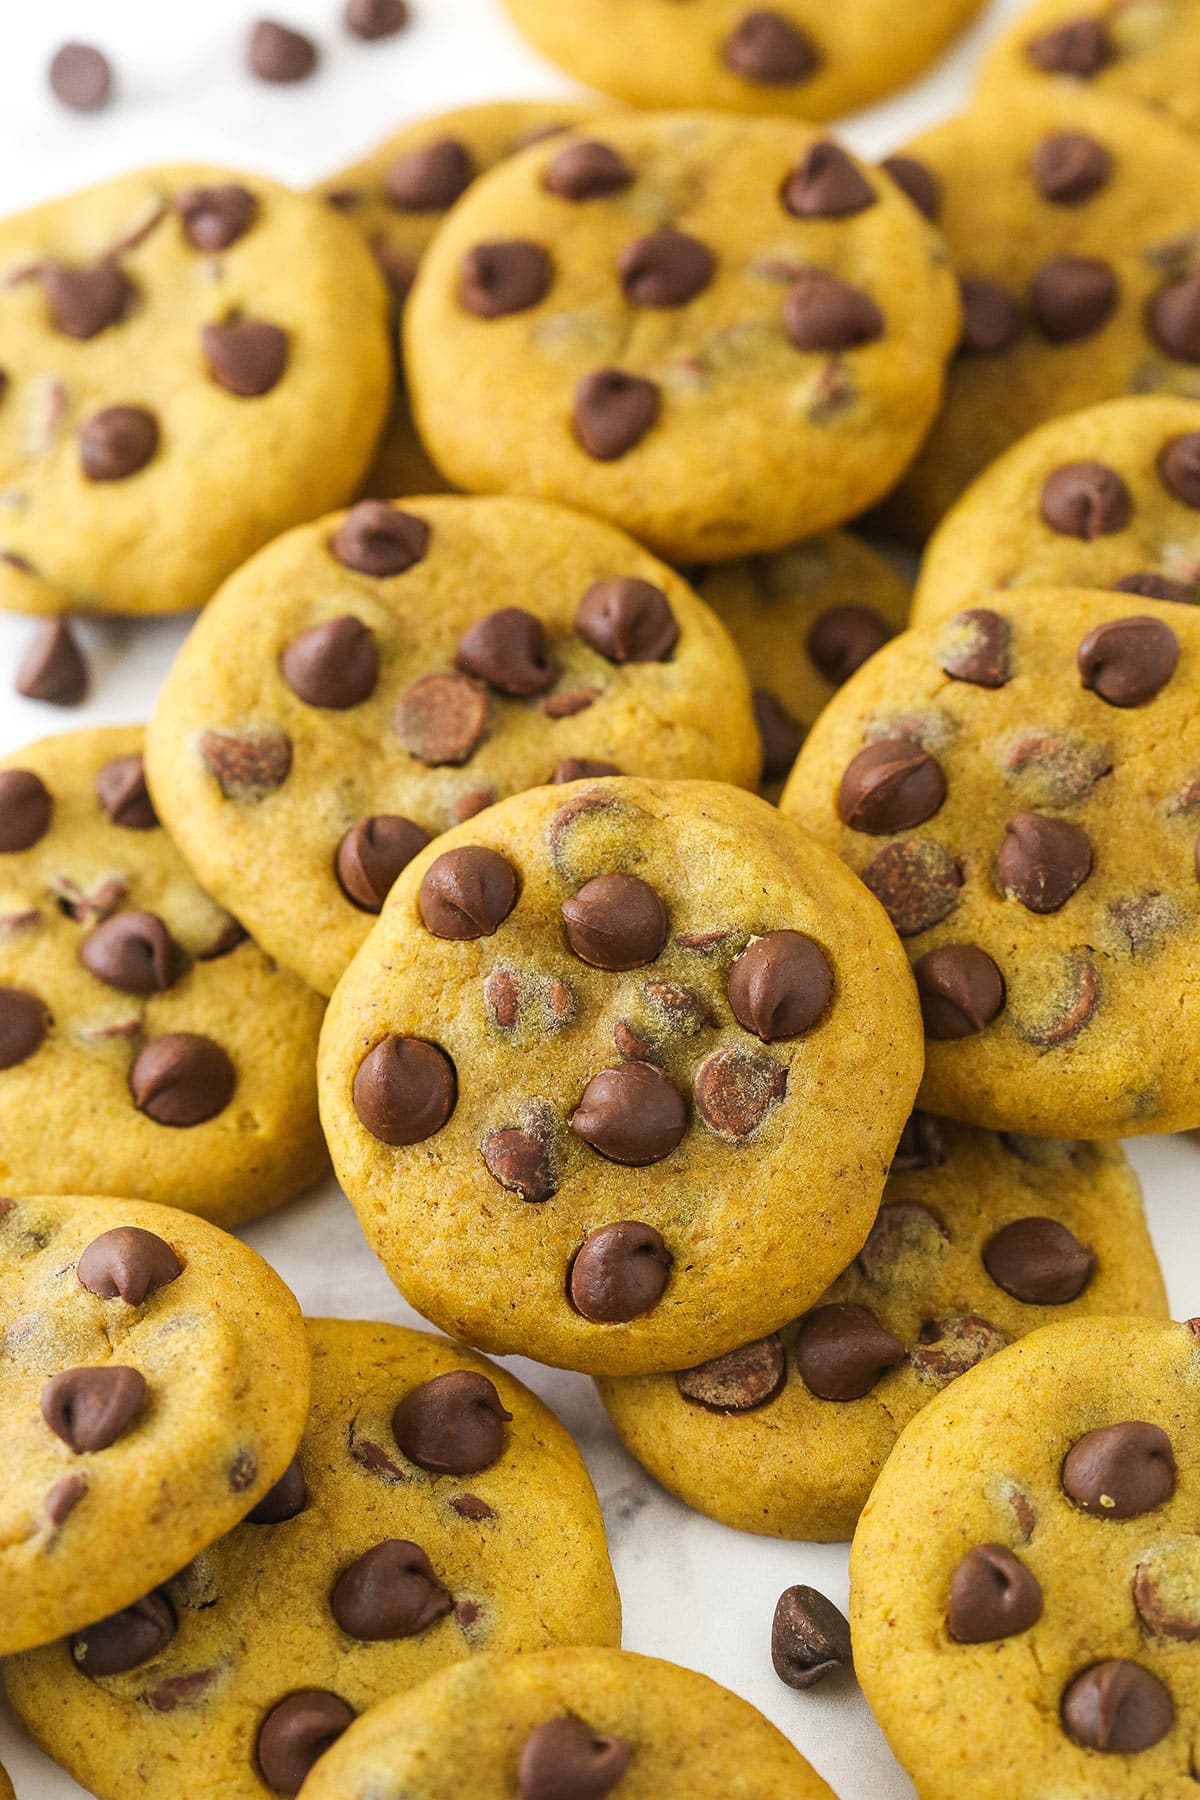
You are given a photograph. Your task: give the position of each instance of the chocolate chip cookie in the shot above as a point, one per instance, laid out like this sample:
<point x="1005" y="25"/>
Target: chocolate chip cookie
<point x="720" y="333"/>
<point x="146" y="1044"/>
<point x="370" y="681"/>
<point x="1020" y="786"/>
<point x="6" y="1787"/>
<point x="435" y="1508"/>
<point x="153" y="1387"/>
<point x="1027" y="1566"/>
<point x="593" y="1081"/>
<point x="192" y="361"/>
<point x="980" y="1239"/>
<point x="1073" y="220"/>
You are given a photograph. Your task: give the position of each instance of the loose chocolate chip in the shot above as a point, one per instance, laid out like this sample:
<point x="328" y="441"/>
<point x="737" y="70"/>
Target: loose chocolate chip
<point x="627" y="620"/>
<point x="181" y="1079"/>
<point x="507" y="649"/>
<point x="89" y="1408"/>
<point x="739" y="1382"/>
<point x="296" y="1733"/>
<point x="1128" y="661"/>
<point x="587" y="171"/>
<point x="246" y="357"/>
<point x="334" y="665"/>
<point x="1120" y="1471"/>
<point x="127" y="1263"/>
<point x="918" y="181"/>
<point x="921" y="1145"/>
<point x="977" y="647"/>
<point x="522" y="1161"/>
<point x="53" y="669"/>
<point x="577" y="768"/>
<point x="666" y="268"/>
<point x="565" y="1759"/>
<point x="1039" y="1262"/>
<point x="379" y="540"/>
<point x="917" y="881"/>
<point x="613" y="411"/>
<point x="827" y="184"/>
<point x="631" y="1115"/>
<point x="824" y="314"/>
<point x="843" y="638"/>
<point x="780" y="733"/>
<point x="83" y="302"/>
<point x="371" y="856"/>
<point x="390" y="1592"/>
<point x="508" y="276"/>
<point x="430" y="179"/>
<point x="616" y="922"/>
<point x="735" y="1091"/>
<point x="1043" y="861"/>
<point x="286" y="1500"/>
<point x="993" y="1595"/>
<point x="122" y="792"/>
<point x="276" y="53"/>
<point x="371" y="20"/>
<point x="117" y="442"/>
<point x="992" y="319"/>
<point x="620" y="1271"/>
<point x="1070" y="167"/>
<point x="25" y="810"/>
<point x="780" y="985"/>
<point x="1117" y="1707"/>
<point x="1179" y="468"/>
<point x="1157" y="587"/>
<point x="1086" y="500"/>
<point x="1173" y="316"/>
<point x="405" y="1090"/>
<point x="132" y="951"/>
<point x="81" y="77"/>
<point x="467" y="893"/>
<point x="961" y="990"/>
<point x="63" y="1498"/>
<point x="452" y="1425"/>
<point x="22" y="1026"/>
<point x="767" y="48"/>
<point x="125" y="1639"/>
<point x="214" y="218"/>
<point x="443" y="719"/>
<point x="810" y="1638"/>
<point x="1082" y="48"/>
<point x="843" y="1350"/>
<point x="892" y="785"/>
<point x="1072" y="296"/>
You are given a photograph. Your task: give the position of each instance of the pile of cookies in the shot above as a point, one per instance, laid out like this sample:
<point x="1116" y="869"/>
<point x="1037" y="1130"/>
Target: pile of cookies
<point x="707" y="964"/>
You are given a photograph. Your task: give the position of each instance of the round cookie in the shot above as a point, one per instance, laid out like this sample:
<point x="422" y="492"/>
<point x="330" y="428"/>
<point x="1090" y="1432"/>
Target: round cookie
<point x="566" y="1723"/>
<point x="153" y="1387"/>
<point x="804" y="620"/>
<point x="722" y="333"/>
<point x="1019" y="785"/>
<point x="435" y="1508"/>
<point x="145" y="1043"/>
<point x="192" y="362"/>
<point x="617" y="1077"/>
<point x="1107" y="498"/>
<point x="1026" y="1565"/>
<point x="980" y="1239"/>
<point x="1071" y="218"/>
<point x="798" y="56"/>
<point x="369" y="681"/>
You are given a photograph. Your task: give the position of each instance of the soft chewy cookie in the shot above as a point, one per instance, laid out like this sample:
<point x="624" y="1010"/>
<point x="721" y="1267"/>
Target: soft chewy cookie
<point x="721" y="333"/>
<point x="367" y="682"/>
<point x="145" y="1043"/>
<point x="798" y="56"/>
<point x="435" y="1508"/>
<point x="1020" y="786"/>
<point x="980" y="1239"/>
<point x="1024" y="1593"/>
<point x="1107" y="498"/>
<point x="192" y="361"/>
<point x="804" y="620"/>
<point x="153" y="1386"/>
<point x="1071" y="219"/>
<point x="566" y="1725"/>
<point x="616" y="1079"/>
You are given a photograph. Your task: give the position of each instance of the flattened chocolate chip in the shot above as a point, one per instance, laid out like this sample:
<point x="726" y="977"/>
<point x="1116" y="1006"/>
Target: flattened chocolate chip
<point x="522" y="1160"/>
<point x="470" y="1506"/>
<point x="286" y="1500"/>
<point x="91" y="1407"/>
<point x="843" y="638"/>
<point x="780" y="734"/>
<point x="827" y="184"/>
<point x="1042" y="862"/>
<point x="993" y="1595"/>
<point x="921" y="1145"/>
<point x="740" y="1381"/>
<point x="626" y="620"/>
<point x="122" y="792"/>
<point x="507" y="649"/>
<point x="1071" y="297"/>
<point x="246" y="765"/>
<point x="843" y="1350"/>
<point x="587" y="171"/>
<point x="127" y="1263"/>
<point x="810" y="1638"/>
<point x="1127" y="662"/>
<point x="181" y="1079"/>
<point x="276" y="53"/>
<point x="453" y="1424"/>
<point x="117" y="442"/>
<point x="63" y="1498"/>
<point x="824" y="314"/>
<point x="1179" y="468"/>
<point x="619" y="1272"/>
<point x="83" y="302"/>
<point x="333" y="665"/>
<point x="442" y="719"/>
<point x="22" y="1026"/>
<point x="505" y="277"/>
<point x="585" y="768"/>
<point x="390" y="1592"/>
<point x="81" y="77"/>
<point x="296" y="1733"/>
<point x="613" y="411"/>
<point x="977" y="647"/>
<point x="616" y="922"/>
<point x="246" y="357"/>
<point x="1086" y="500"/>
<point x="767" y="48"/>
<point x="631" y="1115"/>
<point x="132" y="951"/>
<point x="1070" y="167"/>
<point x="1062" y="1006"/>
<point x="25" y="810"/>
<point x="918" y="181"/>
<point x="949" y="1347"/>
<point x="379" y="540"/>
<point x="1082" y="48"/>
<point x="1120" y="1471"/>
<point x="430" y="179"/>
<point x="467" y="893"/>
<point x="780" y="985"/>
<point x="371" y="856"/>
<point x="565" y="1759"/>
<point x="665" y="268"/>
<point x="1173" y="316"/>
<point x="1157" y="587"/>
<point x="735" y="1091"/>
<point x="405" y="1090"/>
<point x="992" y="319"/>
<point x="1117" y="1707"/>
<point x="890" y="786"/>
<point x="961" y="990"/>
<point x="52" y="668"/>
<point x="1039" y="1262"/>
<point x="917" y="881"/>
<point x="214" y="218"/>
<point x="125" y="1639"/>
<point x="372" y="20"/>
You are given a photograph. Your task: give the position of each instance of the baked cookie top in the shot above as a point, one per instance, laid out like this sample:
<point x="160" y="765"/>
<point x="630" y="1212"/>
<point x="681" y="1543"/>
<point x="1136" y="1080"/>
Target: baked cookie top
<point x="153" y="1386"/>
<point x="145" y="1042"/>
<point x="367" y="682"/>
<point x="192" y="361"/>
<point x="1027" y="1562"/>
<point x="593" y="1082"/>
<point x="722" y="333"/>
<point x="1018" y="784"/>
<point x="980" y="1239"/>
<point x="435" y="1508"/>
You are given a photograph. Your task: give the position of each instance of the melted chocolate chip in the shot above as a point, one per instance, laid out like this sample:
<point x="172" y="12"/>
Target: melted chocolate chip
<point x="1173" y="316"/>
<point x="917" y="881"/>
<point x="1120" y="1471"/>
<point x="1071" y="297"/>
<point x="127" y="1263"/>
<point x="522" y="1160"/>
<point x="508" y="276"/>
<point x="23" y="1026"/>
<point x="585" y="768"/>
<point x="843" y="638"/>
<point x="842" y="1351"/>
<point x="632" y="1115"/>
<point x="390" y="1592"/>
<point x="122" y="792"/>
<point x="918" y="181"/>
<point x="507" y="649"/>
<point x="1179" y="468"/>
<point x="1128" y="662"/>
<point x="83" y="302"/>
<point x="1069" y="167"/>
<point x="977" y="648"/>
<point x="961" y="990"/>
<point x="921" y="1145"/>
<point x="1117" y="1707"/>
<point x="181" y="1079"/>
<point x="430" y="179"/>
<point x="285" y="1500"/>
<point x="276" y="53"/>
<point x="371" y="856"/>
<point x="735" y="1091"/>
<point x="443" y="719"/>
<point x="891" y="786"/>
<point x="467" y="893"/>
<point x="1039" y="1262"/>
<point x="767" y="48"/>
<point x="379" y="540"/>
<point x="780" y="985"/>
<point x="1081" y="48"/>
<point x="993" y="1595"/>
<point x="117" y="442"/>
<point x="992" y="319"/>
<point x="214" y="218"/>
<point x="134" y="952"/>
<point x="52" y="668"/>
<point x="25" y="810"/>
<point x="740" y="1381"/>
<point x="949" y="1347"/>
<point x="453" y="1424"/>
<point x="246" y="357"/>
<point x="125" y="1639"/>
<point x="91" y="1407"/>
<point x="616" y="922"/>
<point x="666" y="268"/>
<point x="63" y="1498"/>
<point x="296" y="1733"/>
<point x="810" y="1638"/>
<point x="1042" y="861"/>
<point x="619" y="1273"/>
<point x="613" y="411"/>
<point x="587" y="171"/>
<point x="781" y="735"/>
<point x="1086" y="500"/>
<point x="246" y="765"/>
<point x="565" y="1759"/>
<point x="822" y="313"/>
<point x="1157" y="587"/>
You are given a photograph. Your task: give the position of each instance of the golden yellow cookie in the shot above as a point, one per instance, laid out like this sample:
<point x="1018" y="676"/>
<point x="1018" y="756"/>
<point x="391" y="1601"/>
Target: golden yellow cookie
<point x="193" y="361"/>
<point x="980" y="1239"/>
<point x="371" y="680"/>
<point x="1023" y="1582"/>
<point x="146" y="1044"/>
<point x="1107" y="498"/>
<point x="718" y="332"/>
<point x="1071" y="219"/>
<point x="1019" y="786"/>
<point x="566" y="1722"/>
<point x="435" y="1508"/>
<point x="153" y="1386"/>
<point x="616" y="1079"/>
<point x="6" y="1787"/>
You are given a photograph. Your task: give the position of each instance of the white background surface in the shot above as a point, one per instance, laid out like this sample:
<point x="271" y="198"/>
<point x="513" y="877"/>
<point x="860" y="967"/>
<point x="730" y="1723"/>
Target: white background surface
<point x="693" y="1591"/>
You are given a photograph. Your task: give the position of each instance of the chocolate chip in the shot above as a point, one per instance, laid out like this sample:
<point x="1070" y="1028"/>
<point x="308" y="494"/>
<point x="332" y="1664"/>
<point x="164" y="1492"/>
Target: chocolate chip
<point x="827" y="184"/>
<point x="1072" y="296"/>
<point x="246" y="765"/>
<point x="125" y="1639"/>
<point x="1043" y="862"/>
<point x="430" y="179"/>
<point x="918" y="181"/>
<point x="1127" y="662"/>
<point x="379" y="540"/>
<point x="1066" y="1003"/>
<point x="470" y="1506"/>
<point x="587" y="171"/>
<point x="1117" y="1707"/>
<point x="780" y="985"/>
<point x="921" y="1145"/>
<point x="1179" y="468"/>
<point x="508" y="276"/>
<point x="1070" y="167"/>
<point x="843" y="638"/>
<point x="132" y="951"/>
<point x="1120" y="1471"/>
<point x="83" y="302"/>
<point x="565" y="1759"/>
<point x="276" y="53"/>
<point x="577" y="768"/>
<point x="52" y="668"/>
<point x="286" y="1500"/>
<point x="740" y="1381"/>
<point x="627" y="620"/>
<point x="825" y="314"/>
<point x="63" y="1498"/>
<point x="122" y="792"/>
<point x="127" y="1263"/>
<point x="25" y="810"/>
<point x="521" y="1159"/>
<point x="961" y="990"/>
<point x="631" y="1115"/>
<point x="405" y="1090"/>
<point x="507" y="649"/>
<point x="246" y="357"/>
<point x="619" y="1272"/>
<point x="181" y="1079"/>
<point x="1173" y="316"/>
<point x="1058" y="771"/>
<point x="904" y="1242"/>
<point x="892" y="785"/>
<point x="992" y="319"/>
<point x="993" y="1595"/>
<point x="90" y="1408"/>
<point x="467" y="893"/>
<point x="390" y="1592"/>
<point x="371" y="856"/>
<point x="214" y="218"/>
<point x="1157" y="587"/>
<point x="666" y="268"/>
<point x="949" y="1347"/>
<point x="22" y="1026"/>
<point x="1039" y="1262"/>
<point x="735" y="1091"/>
<point x="334" y="665"/>
<point x="843" y="1350"/>
<point x="117" y="442"/>
<point x="917" y="881"/>
<point x="1165" y="1591"/>
<point x="977" y="647"/>
<point x="616" y="922"/>
<point x="779" y="732"/>
<point x="1086" y="500"/>
<point x="81" y="77"/>
<point x="443" y="719"/>
<point x="371" y="20"/>
<point x="1081" y="48"/>
<point x="613" y="411"/>
<point x="767" y="48"/>
<point x="296" y="1733"/>
<point x="453" y="1424"/>
<point x="810" y="1638"/>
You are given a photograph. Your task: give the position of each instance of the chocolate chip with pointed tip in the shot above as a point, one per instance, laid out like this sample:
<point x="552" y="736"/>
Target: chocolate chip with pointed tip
<point x="566" y="1759"/>
<point x="23" y="1025"/>
<point x="921" y="1145"/>
<point x="992" y="318"/>
<point x="285" y="1500"/>
<point x="620" y="1272"/>
<point x="84" y="301"/>
<point x="508" y="276"/>
<point x="134" y="952"/>
<point x="616" y="922"/>
<point x="126" y="1639"/>
<point x="665" y="268"/>
<point x="276" y="53"/>
<point x="1042" y="861"/>
<point x="521" y="1160"/>
<point x="810" y="1638"/>
<point x="389" y="1592"/>
<point x="333" y="665"/>
<point x="632" y="1115"/>
<point x="371" y="856"/>
<point x="961" y="991"/>
<point x="1128" y="662"/>
<point x="26" y="808"/>
<point x="588" y="170"/>
<point x="842" y="1351"/>
<point x="296" y="1733"/>
<point x="823" y="313"/>
<point x="1151" y="586"/>
<point x="780" y="986"/>
<point x="128" y="1263"/>
<point x="613" y="411"/>
<point x="1173" y="316"/>
<point x="117" y="442"/>
<point x="405" y="1090"/>
<point x="976" y="647"/>
<point x="452" y="1424"/>
<point x="891" y="786"/>
<point x="1179" y="468"/>
<point x="1071" y="297"/>
<point x="1081" y="47"/>
<point x="1086" y="500"/>
<point x="993" y="1595"/>
<point x="1117" y="1707"/>
<point x="52" y="668"/>
<point x="1071" y="167"/>
<point x="1039" y="1262"/>
<point x="122" y="792"/>
<point x="842" y="638"/>
<point x="467" y="893"/>
<point x="507" y="649"/>
<point x="246" y="357"/>
<point x="918" y="181"/>
<point x="625" y="619"/>
<point x="767" y="48"/>
<point x="379" y="540"/>
<point x="1120" y="1471"/>
<point x="181" y="1079"/>
<point x="214" y="218"/>
<point x="827" y="184"/>
<point x="89" y="1408"/>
